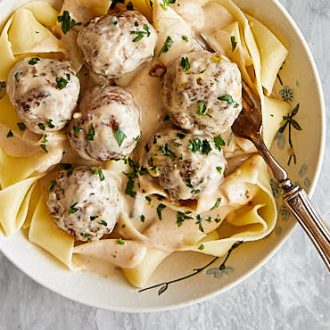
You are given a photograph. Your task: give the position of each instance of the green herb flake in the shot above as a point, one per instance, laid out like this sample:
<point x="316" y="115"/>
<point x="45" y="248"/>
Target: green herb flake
<point x="52" y="185"/>
<point x="10" y="134"/>
<point x="166" y="3"/>
<point x="18" y="76"/>
<point x="229" y="99"/>
<point x="42" y="126"/>
<point x="33" y="61"/>
<point x="201" y="247"/>
<point x="185" y="64"/>
<point x="160" y="209"/>
<point x="217" y="204"/>
<point x="21" y="126"/>
<point x="167" y="151"/>
<point x="167" y="45"/>
<point x="184" y="38"/>
<point x="61" y="83"/>
<point x="92" y="218"/>
<point x="233" y="43"/>
<point x="195" y="145"/>
<point x="196" y="191"/>
<point x="103" y="223"/>
<point x="87" y="235"/>
<point x="67" y="22"/>
<point x="219" y="169"/>
<point x="219" y="142"/>
<point x="73" y="209"/>
<point x="202" y="109"/>
<point x="142" y="218"/>
<point x="181" y="135"/>
<point x="77" y="129"/>
<point x="148" y="198"/>
<point x="91" y="133"/>
<point x="139" y="35"/>
<point x="99" y="172"/>
<point x="120" y="241"/>
<point x="44" y="147"/>
<point x="50" y="123"/>
<point x="130" y="188"/>
<point x="181" y="217"/>
<point x="119" y="135"/>
<point x="206" y="147"/>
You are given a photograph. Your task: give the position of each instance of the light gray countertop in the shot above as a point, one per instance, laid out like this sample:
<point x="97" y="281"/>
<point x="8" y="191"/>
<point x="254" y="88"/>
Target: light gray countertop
<point x="292" y="291"/>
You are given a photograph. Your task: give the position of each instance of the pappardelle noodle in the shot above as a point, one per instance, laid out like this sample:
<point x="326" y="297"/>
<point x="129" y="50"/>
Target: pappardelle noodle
<point x="115" y="130"/>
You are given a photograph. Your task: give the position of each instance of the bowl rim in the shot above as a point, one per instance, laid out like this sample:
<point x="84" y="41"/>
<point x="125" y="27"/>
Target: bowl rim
<point x="262" y="261"/>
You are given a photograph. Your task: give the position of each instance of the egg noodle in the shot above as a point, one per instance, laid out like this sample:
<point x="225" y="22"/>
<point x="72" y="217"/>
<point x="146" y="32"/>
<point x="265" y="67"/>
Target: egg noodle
<point x="243" y="204"/>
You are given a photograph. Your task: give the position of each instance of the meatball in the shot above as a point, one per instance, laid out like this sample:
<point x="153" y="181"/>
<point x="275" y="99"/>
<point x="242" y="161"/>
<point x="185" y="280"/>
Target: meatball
<point x="116" y="44"/>
<point x="84" y="202"/>
<point x="185" y="165"/>
<point x="44" y="93"/>
<point x="107" y="126"/>
<point x="203" y="91"/>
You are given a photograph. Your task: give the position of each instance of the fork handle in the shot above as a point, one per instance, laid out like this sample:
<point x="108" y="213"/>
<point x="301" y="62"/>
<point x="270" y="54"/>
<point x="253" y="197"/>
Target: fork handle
<point x="297" y="201"/>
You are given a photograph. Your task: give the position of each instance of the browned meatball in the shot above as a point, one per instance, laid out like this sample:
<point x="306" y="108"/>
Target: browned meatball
<point x="107" y="126"/>
<point x="116" y="44"/>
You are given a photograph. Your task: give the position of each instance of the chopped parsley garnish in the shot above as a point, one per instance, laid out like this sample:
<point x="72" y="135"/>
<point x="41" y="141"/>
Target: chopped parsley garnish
<point x="17" y="76"/>
<point x="77" y="129"/>
<point x="10" y="134"/>
<point x="91" y="133"/>
<point x="185" y="63"/>
<point x="233" y="43"/>
<point x="119" y="135"/>
<point x="199" y="222"/>
<point x="229" y="99"/>
<point x="42" y="126"/>
<point x="202" y="110"/>
<point x="33" y="61"/>
<point x="130" y="188"/>
<point x="142" y="218"/>
<point x="67" y="22"/>
<point x="73" y="209"/>
<point x="120" y="241"/>
<point x="87" y="235"/>
<point x="21" y="126"/>
<point x="164" y="148"/>
<point x="99" y="172"/>
<point x="201" y="247"/>
<point x="166" y="3"/>
<point x="137" y="138"/>
<point x="217" y="204"/>
<point x="148" y="198"/>
<point x="219" y="169"/>
<point x="130" y="6"/>
<point x="115" y="2"/>
<point x="219" y="142"/>
<point x="195" y="145"/>
<point x="195" y="191"/>
<point x="103" y="223"/>
<point x="181" y="217"/>
<point x="43" y="146"/>
<point x="52" y="185"/>
<point x="141" y="34"/>
<point x="185" y="38"/>
<point x="65" y="166"/>
<point x="167" y="45"/>
<point x="92" y="218"/>
<point x="160" y="209"/>
<point x="50" y="123"/>
<point x="114" y="21"/>
<point x="61" y="83"/>
<point x="206" y="147"/>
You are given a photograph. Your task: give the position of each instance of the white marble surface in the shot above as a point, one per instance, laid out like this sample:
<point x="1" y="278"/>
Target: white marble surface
<point x="292" y="291"/>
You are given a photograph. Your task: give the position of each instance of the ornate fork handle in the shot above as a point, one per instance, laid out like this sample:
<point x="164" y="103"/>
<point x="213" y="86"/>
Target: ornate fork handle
<point x="297" y="201"/>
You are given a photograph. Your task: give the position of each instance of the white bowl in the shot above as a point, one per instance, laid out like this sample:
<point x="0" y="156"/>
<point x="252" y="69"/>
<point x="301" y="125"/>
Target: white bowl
<point x="300" y="76"/>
